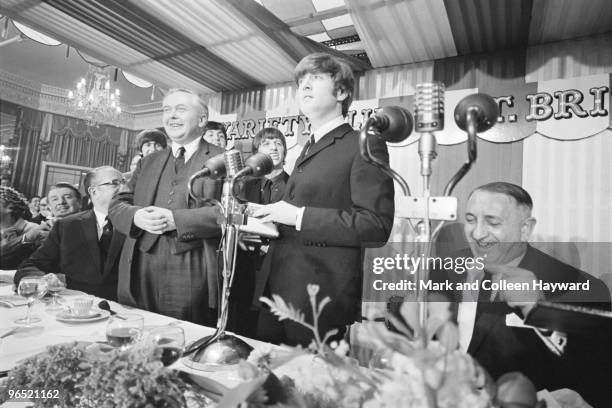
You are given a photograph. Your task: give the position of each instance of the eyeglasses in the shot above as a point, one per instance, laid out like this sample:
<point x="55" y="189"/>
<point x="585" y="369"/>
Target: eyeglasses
<point x="114" y="183"/>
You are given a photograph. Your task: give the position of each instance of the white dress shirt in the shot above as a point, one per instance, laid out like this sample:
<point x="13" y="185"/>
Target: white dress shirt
<point x="190" y="148"/>
<point x="466" y="314"/>
<point x="100" y="221"/>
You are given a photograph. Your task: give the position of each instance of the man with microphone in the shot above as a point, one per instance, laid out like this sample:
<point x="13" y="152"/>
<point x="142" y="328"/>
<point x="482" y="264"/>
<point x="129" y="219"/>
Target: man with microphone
<point x="333" y="205"/>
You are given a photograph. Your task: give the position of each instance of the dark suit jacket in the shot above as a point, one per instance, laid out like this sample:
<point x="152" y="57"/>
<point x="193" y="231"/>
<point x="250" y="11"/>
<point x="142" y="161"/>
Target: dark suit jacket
<point x="72" y="249"/>
<point x="348" y="203"/>
<point x="586" y="363"/>
<point x="196" y="226"/>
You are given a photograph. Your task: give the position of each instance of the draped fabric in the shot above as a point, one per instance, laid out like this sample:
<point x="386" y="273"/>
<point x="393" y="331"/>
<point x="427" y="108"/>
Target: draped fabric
<point x="48" y="137"/>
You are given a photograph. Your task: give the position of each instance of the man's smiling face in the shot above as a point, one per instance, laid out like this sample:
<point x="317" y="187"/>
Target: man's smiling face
<point x="496" y="227"/>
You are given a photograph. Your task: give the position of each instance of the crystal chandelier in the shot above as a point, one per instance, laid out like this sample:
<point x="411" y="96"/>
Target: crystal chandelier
<point x="93" y="98"/>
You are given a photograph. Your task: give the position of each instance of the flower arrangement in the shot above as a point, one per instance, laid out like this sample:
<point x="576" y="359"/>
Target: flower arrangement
<point x="111" y="379"/>
<point x="411" y="369"/>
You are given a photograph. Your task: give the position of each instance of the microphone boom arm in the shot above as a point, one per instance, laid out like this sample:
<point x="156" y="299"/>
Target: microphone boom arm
<point x="471" y="122"/>
<point x="364" y="148"/>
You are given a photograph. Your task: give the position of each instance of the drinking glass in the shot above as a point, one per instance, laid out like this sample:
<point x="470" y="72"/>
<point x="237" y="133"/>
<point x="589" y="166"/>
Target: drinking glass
<point x="167" y="342"/>
<point x="56" y="284"/>
<point x="124" y="330"/>
<point x="31" y="288"/>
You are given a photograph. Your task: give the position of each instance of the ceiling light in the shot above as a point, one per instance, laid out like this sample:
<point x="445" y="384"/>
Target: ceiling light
<point x="93" y="98"/>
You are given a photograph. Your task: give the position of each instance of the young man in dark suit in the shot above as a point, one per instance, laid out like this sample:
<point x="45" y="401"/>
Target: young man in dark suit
<point x="84" y="246"/>
<point x="169" y="261"/>
<point x="334" y="203"/>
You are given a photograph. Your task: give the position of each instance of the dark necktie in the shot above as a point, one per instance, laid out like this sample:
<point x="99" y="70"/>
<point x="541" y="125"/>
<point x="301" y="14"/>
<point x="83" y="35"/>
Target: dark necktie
<point x="179" y="160"/>
<point x="106" y="237"/>
<point x="307" y="146"/>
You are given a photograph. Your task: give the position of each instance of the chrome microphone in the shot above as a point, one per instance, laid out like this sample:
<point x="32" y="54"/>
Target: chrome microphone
<point x="233" y="162"/>
<point x="428" y="118"/>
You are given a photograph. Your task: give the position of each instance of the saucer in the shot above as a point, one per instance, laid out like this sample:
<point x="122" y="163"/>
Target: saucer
<point x="94" y="316"/>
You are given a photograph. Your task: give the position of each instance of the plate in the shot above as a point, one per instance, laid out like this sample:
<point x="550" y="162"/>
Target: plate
<point x="96" y="316"/>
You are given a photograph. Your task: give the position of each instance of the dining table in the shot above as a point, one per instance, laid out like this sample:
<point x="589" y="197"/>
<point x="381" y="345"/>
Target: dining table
<point x="22" y="341"/>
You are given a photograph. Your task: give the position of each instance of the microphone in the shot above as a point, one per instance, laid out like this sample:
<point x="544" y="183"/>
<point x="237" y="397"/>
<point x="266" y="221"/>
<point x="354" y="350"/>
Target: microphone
<point x="233" y="162"/>
<point x="257" y="165"/>
<point x="394" y="123"/>
<point x="428" y="117"/>
<point x="213" y="168"/>
<point x="483" y="109"/>
<point x="429" y="107"/>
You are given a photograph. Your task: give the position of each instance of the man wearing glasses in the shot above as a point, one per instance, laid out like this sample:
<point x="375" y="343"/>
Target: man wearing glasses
<point x="84" y="246"/>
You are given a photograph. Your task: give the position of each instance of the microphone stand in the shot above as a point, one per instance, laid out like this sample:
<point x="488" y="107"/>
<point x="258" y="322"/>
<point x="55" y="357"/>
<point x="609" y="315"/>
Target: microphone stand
<point x="221" y="350"/>
<point x="474" y="113"/>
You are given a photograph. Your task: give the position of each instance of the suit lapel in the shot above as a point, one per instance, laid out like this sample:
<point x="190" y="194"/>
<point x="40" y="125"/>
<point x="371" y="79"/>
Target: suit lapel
<point x="113" y="251"/>
<point x="324" y="142"/>
<point x="154" y="172"/>
<point x="197" y="160"/>
<point x="89" y="228"/>
<point x="485" y="319"/>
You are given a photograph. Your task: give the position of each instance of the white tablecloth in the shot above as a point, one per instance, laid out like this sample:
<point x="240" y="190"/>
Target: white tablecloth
<point x="25" y="343"/>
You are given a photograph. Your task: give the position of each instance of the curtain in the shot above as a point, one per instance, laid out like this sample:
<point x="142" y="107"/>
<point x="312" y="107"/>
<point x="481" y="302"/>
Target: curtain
<point x="49" y="137"/>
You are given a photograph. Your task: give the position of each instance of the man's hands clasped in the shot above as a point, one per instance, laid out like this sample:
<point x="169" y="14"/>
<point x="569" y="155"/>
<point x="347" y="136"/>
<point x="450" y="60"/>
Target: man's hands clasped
<point x="155" y="220"/>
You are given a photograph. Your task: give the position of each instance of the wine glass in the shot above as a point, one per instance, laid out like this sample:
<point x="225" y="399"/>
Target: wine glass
<point x="124" y="330"/>
<point x="167" y="342"/>
<point x="56" y="284"/>
<point x="31" y="288"/>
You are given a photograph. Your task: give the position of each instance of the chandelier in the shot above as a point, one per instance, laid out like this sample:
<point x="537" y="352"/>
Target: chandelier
<point x="93" y="98"/>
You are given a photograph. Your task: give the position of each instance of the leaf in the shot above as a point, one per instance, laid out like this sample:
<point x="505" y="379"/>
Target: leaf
<point x="283" y="310"/>
<point x="324" y="303"/>
<point x="410" y="312"/>
<point x="395" y="342"/>
<point x="449" y="336"/>
<point x="330" y="333"/>
<point x="433" y="325"/>
<point x="400" y="326"/>
<point x="237" y="395"/>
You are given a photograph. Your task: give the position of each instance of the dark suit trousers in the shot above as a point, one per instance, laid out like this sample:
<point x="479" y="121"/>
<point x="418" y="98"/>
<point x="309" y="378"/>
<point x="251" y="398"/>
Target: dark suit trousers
<point x="172" y="285"/>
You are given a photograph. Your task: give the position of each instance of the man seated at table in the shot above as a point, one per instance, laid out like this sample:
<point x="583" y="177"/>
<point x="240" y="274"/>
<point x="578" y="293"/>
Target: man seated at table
<point x="18" y="237"/>
<point x="498" y="224"/>
<point x="84" y="246"/>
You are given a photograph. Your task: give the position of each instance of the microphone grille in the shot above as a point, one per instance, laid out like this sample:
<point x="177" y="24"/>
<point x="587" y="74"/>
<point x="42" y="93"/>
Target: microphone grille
<point x="233" y="162"/>
<point x="429" y="107"/>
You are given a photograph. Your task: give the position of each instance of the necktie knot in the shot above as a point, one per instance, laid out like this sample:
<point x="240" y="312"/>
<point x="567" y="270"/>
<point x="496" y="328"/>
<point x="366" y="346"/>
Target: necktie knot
<point x="180" y="153"/>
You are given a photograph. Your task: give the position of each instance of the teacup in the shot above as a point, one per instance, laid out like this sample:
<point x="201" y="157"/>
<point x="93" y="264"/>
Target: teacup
<point x="82" y="306"/>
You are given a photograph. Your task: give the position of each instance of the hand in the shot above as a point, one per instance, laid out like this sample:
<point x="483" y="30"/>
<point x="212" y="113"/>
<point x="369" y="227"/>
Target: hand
<point x="37" y="234"/>
<point x="281" y="212"/>
<point x="154" y="220"/>
<point x="525" y="299"/>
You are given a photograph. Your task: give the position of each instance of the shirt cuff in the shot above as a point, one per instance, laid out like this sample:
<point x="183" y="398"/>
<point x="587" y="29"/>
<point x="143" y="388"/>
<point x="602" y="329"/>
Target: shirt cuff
<point x="298" y="218"/>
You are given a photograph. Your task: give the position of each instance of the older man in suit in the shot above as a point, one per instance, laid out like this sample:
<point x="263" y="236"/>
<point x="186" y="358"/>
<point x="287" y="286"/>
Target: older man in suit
<point x="84" y="246"/>
<point x="498" y="224"/>
<point x="169" y="261"/>
<point x="334" y="203"/>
